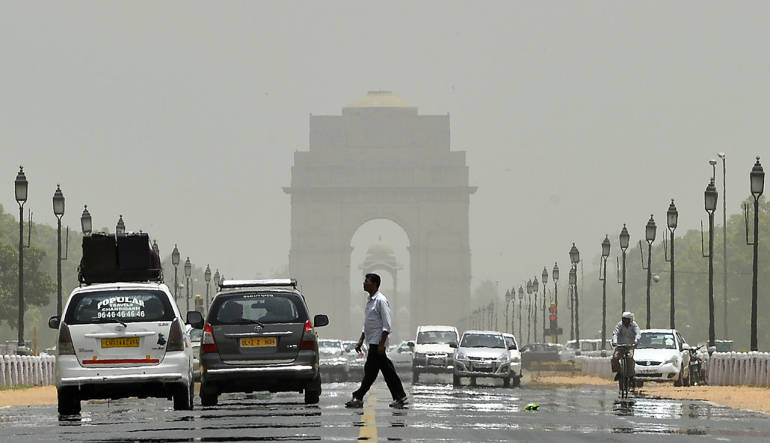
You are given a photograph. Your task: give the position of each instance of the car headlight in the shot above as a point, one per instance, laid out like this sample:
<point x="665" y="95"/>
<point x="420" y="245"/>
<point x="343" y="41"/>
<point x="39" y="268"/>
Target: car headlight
<point x="503" y="357"/>
<point x="673" y="359"/>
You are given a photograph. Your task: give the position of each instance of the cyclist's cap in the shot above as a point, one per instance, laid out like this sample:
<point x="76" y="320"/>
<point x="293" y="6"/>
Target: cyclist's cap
<point x="629" y="315"/>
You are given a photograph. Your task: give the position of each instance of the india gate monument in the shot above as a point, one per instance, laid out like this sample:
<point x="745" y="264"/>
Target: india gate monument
<point x="380" y="159"/>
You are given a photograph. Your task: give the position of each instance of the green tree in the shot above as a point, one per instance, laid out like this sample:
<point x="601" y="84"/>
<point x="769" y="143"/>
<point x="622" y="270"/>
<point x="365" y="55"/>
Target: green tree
<point x="38" y="285"/>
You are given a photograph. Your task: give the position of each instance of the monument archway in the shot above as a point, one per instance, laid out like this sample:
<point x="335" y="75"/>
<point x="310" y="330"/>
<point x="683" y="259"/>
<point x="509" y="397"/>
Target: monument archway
<point x="381" y="160"/>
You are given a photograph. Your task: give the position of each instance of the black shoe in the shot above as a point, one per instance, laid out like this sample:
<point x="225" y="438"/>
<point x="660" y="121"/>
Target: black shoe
<point x="399" y="403"/>
<point x="617" y="376"/>
<point x="354" y="403"/>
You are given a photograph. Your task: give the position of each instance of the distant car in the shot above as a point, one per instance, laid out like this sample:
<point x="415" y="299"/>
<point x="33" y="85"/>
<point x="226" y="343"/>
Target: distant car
<point x="662" y="355"/>
<point x="434" y="350"/>
<point x="539" y="352"/>
<point x="333" y="360"/>
<point x="356" y="361"/>
<point x="121" y="340"/>
<point x="515" y="355"/>
<point x="589" y="347"/>
<point x="482" y="354"/>
<point x="195" y="342"/>
<point x="259" y="336"/>
<point x="401" y="355"/>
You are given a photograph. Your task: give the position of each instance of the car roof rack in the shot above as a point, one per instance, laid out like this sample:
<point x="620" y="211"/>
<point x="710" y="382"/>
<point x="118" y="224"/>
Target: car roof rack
<point x="275" y="282"/>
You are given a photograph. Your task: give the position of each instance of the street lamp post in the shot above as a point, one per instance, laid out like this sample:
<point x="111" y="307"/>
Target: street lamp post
<point x="649" y="235"/>
<point x="207" y="277"/>
<point x="507" y="302"/>
<point x="521" y="297"/>
<point x="175" y="262"/>
<point x="710" y="202"/>
<point x="603" y="278"/>
<point x="85" y="221"/>
<point x="529" y="309"/>
<point x="555" y="275"/>
<point x="572" y="283"/>
<point x="544" y="276"/>
<point x="624" y="238"/>
<point x="535" y="287"/>
<point x="187" y="273"/>
<point x="757" y="187"/>
<point x="672" y="215"/>
<point x="120" y="228"/>
<point x="58" y="211"/>
<point x="574" y="257"/>
<point x="724" y="242"/>
<point x="20" y="188"/>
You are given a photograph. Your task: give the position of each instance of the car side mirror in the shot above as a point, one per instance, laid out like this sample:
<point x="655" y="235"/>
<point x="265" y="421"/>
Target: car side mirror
<point x="195" y="319"/>
<point x="53" y="322"/>
<point x="320" y="320"/>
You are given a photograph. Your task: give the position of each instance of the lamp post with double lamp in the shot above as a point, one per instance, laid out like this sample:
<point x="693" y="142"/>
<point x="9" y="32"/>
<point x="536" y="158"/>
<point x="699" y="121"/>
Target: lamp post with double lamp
<point x="20" y="188"/>
<point x="187" y="273"/>
<point x="623" y="240"/>
<point x="207" y="278"/>
<point x="529" y="310"/>
<point x="555" y="275"/>
<point x="544" y="276"/>
<point x="710" y="197"/>
<point x="521" y="297"/>
<point x="535" y="288"/>
<point x="649" y="235"/>
<point x="603" y="278"/>
<point x="58" y="211"/>
<point x="672" y="215"/>
<point x="175" y="262"/>
<point x="757" y="187"/>
<point x="574" y="258"/>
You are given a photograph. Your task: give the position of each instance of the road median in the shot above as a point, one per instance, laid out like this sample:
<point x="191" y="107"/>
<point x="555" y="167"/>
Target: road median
<point x="28" y="396"/>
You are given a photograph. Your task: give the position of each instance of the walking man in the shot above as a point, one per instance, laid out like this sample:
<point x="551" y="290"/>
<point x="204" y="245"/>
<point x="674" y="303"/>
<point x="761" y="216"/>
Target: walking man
<point x="375" y="332"/>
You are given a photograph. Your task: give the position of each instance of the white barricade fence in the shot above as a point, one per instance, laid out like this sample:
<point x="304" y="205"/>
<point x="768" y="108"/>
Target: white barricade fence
<point x="739" y="368"/>
<point x="27" y="370"/>
<point x="595" y="366"/>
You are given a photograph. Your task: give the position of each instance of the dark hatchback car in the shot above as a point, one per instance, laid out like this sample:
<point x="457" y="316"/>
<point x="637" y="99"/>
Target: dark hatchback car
<point x="258" y="336"/>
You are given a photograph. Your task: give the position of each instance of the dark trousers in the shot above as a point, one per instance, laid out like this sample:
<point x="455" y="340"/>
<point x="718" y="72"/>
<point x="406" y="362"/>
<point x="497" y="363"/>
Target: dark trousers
<point x="374" y="364"/>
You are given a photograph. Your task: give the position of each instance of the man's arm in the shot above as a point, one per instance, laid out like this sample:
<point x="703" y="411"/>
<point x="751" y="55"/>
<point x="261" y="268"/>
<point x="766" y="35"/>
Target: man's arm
<point x="615" y="334"/>
<point x="385" y="318"/>
<point x="360" y="343"/>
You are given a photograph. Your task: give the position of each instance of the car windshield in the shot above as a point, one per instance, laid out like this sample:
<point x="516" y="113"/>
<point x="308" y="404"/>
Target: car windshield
<point x="656" y="340"/>
<point x="436" y="337"/>
<point x="482" y="341"/>
<point x="261" y="308"/>
<point x="125" y="306"/>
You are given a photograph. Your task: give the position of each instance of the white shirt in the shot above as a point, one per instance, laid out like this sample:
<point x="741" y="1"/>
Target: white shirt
<point x="376" y="318"/>
<point x="626" y="335"/>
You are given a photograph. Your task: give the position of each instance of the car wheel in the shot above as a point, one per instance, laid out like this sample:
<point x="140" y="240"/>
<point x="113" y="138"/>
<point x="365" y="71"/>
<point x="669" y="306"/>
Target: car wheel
<point x="68" y="400"/>
<point x="516" y="381"/>
<point x="313" y="391"/>
<point x="415" y="376"/>
<point x="455" y="380"/>
<point x="183" y="398"/>
<point x="209" y="396"/>
<point x="473" y="381"/>
<point x="507" y="382"/>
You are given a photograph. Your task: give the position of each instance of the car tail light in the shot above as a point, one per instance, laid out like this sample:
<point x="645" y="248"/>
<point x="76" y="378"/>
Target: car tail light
<point x="65" y="347"/>
<point x="308" y="338"/>
<point x="207" y="340"/>
<point x="175" y="337"/>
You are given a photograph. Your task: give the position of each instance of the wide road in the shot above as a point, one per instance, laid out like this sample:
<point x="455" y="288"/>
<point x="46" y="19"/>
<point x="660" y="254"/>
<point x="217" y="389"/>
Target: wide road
<point x="436" y="412"/>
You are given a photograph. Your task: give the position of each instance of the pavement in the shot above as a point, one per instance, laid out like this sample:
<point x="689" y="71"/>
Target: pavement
<point x="437" y="411"/>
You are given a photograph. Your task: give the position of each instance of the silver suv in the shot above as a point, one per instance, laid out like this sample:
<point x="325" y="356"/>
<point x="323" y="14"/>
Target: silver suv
<point x="122" y="340"/>
<point x="258" y="337"/>
<point x="482" y="354"/>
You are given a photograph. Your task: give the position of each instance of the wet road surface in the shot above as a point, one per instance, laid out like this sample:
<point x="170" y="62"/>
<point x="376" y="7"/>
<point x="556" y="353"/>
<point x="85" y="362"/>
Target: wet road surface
<point x="436" y="412"/>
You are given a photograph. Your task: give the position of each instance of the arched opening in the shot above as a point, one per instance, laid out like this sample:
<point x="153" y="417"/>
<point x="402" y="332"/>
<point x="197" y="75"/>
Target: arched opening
<point x="381" y="246"/>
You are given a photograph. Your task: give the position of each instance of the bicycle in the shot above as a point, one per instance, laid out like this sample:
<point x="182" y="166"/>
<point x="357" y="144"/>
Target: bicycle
<point x="626" y="371"/>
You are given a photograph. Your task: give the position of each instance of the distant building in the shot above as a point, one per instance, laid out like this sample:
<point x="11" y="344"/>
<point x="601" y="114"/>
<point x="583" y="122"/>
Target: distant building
<point x="380" y="159"/>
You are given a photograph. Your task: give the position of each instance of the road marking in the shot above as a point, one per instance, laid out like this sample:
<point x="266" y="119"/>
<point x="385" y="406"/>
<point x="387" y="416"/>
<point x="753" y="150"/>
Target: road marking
<point x="369" y="429"/>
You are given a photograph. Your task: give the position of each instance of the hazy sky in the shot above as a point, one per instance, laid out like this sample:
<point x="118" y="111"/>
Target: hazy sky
<point x="576" y="116"/>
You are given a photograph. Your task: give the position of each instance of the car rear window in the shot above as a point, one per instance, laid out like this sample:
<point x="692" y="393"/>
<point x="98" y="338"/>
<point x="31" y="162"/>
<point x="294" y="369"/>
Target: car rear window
<point x="483" y="341"/>
<point x="125" y="305"/>
<point x="257" y="308"/>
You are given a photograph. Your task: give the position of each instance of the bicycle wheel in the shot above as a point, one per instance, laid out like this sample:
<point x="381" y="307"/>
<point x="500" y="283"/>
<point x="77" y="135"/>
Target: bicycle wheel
<point x="622" y="378"/>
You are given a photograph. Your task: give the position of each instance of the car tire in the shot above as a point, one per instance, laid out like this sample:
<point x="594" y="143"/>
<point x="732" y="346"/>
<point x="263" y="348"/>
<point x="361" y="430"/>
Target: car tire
<point x="183" y="397"/>
<point x="516" y="381"/>
<point x="209" y="397"/>
<point x="313" y="391"/>
<point x="455" y="380"/>
<point x="507" y="382"/>
<point x="415" y="377"/>
<point x="68" y="401"/>
<point x="473" y="381"/>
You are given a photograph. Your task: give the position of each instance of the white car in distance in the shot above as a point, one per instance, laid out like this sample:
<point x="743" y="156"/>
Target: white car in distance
<point x="662" y="355"/>
<point x="434" y="349"/>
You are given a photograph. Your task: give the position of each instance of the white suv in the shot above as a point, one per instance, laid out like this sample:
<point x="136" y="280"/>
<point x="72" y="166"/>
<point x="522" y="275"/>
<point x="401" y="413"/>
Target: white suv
<point x="121" y="340"/>
<point x="434" y="350"/>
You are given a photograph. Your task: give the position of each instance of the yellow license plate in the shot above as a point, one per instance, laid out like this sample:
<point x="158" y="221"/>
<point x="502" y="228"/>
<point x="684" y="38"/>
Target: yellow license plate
<point x="124" y="342"/>
<point x="257" y="342"/>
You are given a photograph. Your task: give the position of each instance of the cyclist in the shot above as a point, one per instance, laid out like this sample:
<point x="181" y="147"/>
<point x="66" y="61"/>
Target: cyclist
<point x="626" y="333"/>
